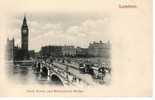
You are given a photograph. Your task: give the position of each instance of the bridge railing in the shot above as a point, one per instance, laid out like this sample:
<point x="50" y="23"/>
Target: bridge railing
<point x="72" y="74"/>
<point x="64" y="73"/>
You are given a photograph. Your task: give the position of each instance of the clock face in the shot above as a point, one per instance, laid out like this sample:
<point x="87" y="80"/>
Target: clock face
<point x="24" y="31"/>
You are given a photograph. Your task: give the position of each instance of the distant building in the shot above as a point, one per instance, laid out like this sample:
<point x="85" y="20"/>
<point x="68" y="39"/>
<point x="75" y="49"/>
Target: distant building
<point x="68" y="51"/>
<point x="18" y="53"/>
<point x="99" y="49"/>
<point x="82" y="52"/>
<point x="10" y="49"/>
<point x="51" y="51"/>
<point x="95" y="49"/>
<point x="13" y="52"/>
<point x="58" y="51"/>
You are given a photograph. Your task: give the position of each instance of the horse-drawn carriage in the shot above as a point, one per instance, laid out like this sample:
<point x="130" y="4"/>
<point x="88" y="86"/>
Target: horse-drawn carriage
<point x="98" y="71"/>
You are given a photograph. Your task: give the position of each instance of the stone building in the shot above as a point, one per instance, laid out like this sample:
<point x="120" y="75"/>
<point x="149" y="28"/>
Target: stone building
<point x="68" y="51"/>
<point x="95" y="49"/>
<point x="51" y="51"/>
<point x="82" y="52"/>
<point x="13" y="52"/>
<point x="19" y="53"/>
<point x="10" y="49"/>
<point x="58" y="51"/>
<point x="99" y="49"/>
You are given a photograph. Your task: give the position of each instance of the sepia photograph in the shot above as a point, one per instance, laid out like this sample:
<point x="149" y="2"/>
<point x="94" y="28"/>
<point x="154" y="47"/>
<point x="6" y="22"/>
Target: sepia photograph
<point x="59" y="49"/>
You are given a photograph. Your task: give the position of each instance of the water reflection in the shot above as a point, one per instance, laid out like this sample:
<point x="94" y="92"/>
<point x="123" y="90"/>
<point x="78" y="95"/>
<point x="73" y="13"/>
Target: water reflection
<point x="27" y="75"/>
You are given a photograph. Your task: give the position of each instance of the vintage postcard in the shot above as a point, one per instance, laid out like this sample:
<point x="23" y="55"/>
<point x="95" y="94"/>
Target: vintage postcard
<point x="76" y="48"/>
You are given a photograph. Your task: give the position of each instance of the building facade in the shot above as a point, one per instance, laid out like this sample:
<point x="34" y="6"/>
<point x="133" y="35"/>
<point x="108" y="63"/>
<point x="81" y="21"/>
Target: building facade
<point x="95" y="49"/>
<point x="51" y="51"/>
<point x="99" y="49"/>
<point x="68" y="51"/>
<point x="58" y="51"/>
<point x="10" y="49"/>
<point x="82" y="52"/>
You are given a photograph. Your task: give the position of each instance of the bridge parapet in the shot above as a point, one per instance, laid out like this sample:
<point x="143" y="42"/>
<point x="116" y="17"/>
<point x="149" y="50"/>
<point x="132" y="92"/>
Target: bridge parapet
<point x="68" y="74"/>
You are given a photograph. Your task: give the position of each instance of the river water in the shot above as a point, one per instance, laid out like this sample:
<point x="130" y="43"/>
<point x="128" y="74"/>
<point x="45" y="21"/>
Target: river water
<point x="26" y="75"/>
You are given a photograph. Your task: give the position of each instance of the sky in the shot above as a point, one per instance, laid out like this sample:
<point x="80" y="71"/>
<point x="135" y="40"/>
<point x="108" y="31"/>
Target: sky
<point x="58" y="28"/>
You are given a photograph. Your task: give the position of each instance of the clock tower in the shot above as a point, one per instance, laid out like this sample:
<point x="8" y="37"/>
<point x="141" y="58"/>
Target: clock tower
<point x="24" y="38"/>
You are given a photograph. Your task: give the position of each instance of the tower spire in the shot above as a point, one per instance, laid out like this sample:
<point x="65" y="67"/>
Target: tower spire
<point x="24" y="38"/>
<point x="24" y="20"/>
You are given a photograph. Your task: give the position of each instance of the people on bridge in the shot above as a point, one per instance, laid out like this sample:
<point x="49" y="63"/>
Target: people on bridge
<point x="44" y="72"/>
<point x="38" y="67"/>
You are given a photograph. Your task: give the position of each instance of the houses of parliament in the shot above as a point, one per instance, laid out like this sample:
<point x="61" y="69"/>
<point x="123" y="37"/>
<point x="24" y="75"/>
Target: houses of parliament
<point x="19" y="53"/>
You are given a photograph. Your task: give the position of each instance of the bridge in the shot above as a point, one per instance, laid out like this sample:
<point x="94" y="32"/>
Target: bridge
<point x="63" y="73"/>
<point x="66" y="74"/>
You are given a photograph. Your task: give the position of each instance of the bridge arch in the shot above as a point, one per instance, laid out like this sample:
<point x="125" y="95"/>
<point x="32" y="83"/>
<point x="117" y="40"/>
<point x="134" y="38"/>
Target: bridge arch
<point x="56" y="79"/>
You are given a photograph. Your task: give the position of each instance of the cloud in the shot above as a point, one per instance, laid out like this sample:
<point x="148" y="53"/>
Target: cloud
<point x="90" y="28"/>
